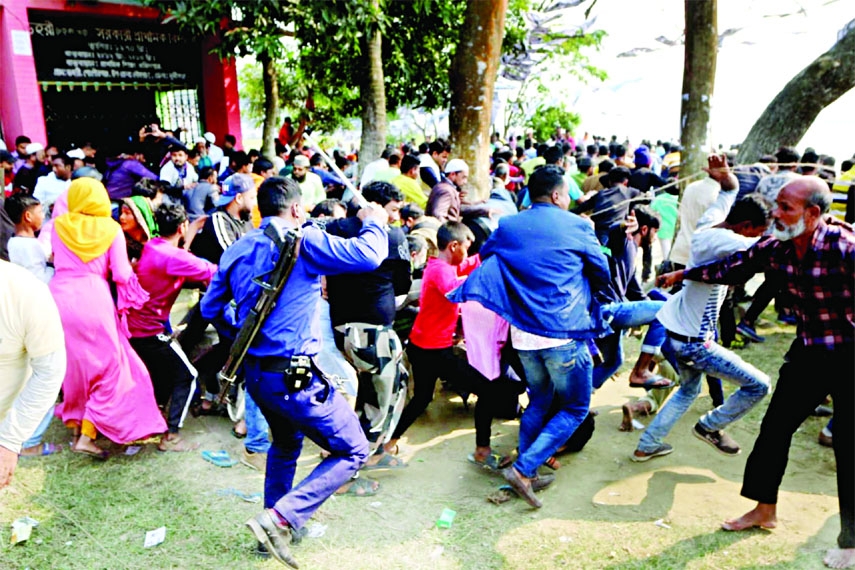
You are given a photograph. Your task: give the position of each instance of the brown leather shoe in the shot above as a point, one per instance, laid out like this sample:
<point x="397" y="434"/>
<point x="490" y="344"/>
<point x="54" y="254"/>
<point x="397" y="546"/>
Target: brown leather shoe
<point x="275" y="538"/>
<point x="523" y="488"/>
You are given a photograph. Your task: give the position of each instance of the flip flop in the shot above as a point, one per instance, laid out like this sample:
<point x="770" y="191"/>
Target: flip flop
<point x="219" y="458"/>
<point x="103" y="455"/>
<point x="361" y="487"/>
<point x="46" y="449"/>
<point x="651" y="383"/>
<point x="494" y="462"/>
<point x="237" y="434"/>
<point x="388" y="461"/>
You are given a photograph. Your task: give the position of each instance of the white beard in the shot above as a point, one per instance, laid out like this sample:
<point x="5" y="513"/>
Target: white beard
<point x="789" y="232"/>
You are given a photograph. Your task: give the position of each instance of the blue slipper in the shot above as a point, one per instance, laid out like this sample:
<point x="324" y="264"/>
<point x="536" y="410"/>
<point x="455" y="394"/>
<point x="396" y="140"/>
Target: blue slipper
<point x="219" y="458"/>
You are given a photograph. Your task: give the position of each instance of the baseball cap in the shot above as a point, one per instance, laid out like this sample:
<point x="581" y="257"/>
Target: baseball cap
<point x="6" y="156"/>
<point x="238" y="184"/>
<point x="210" y="137"/>
<point x="301" y="160"/>
<point x="2" y="145"/>
<point x="456" y="165"/>
<point x="33" y="148"/>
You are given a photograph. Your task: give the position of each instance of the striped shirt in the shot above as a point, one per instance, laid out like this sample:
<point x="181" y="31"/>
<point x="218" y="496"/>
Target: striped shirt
<point x="821" y="282"/>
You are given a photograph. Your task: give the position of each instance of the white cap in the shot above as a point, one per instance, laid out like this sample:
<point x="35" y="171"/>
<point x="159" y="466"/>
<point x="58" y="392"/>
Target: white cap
<point x="33" y="148"/>
<point x="210" y="137"/>
<point x="76" y="153"/>
<point x="2" y="145"/>
<point x="456" y="165"/>
<point x="198" y="140"/>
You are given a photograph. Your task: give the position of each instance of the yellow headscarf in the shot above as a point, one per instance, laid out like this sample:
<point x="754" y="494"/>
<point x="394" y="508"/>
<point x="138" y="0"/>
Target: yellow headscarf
<point x="87" y="228"/>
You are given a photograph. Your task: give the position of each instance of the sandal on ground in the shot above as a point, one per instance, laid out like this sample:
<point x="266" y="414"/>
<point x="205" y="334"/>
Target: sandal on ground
<point x="553" y="463"/>
<point x="177" y="445"/>
<point x="387" y="461"/>
<point x="44" y="449"/>
<point x="493" y="462"/>
<point x="654" y="383"/>
<point x="238" y="434"/>
<point x="219" y="458"/>
<point x="101" y="455"/>
<point x="361" y="487"/>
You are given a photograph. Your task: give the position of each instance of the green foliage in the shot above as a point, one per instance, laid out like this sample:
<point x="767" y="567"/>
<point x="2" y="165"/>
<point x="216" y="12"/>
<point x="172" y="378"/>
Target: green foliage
<point x="546" y="119"/>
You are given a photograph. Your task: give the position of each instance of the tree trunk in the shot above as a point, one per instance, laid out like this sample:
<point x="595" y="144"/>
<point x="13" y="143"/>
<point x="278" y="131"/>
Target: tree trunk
<point x="271" y="106"/>
<point x="698" y="82"/>
<point x="791" y="113"/>
<point x="473" y="77"/>
<point x="373" y="98"/>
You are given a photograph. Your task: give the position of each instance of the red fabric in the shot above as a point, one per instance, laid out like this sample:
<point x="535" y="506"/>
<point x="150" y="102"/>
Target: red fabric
<point x="437" y="318"/>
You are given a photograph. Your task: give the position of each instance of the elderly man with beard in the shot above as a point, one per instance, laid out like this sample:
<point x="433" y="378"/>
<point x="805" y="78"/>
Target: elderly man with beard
<point x="311" y="186"/>
<point x="816" y="255"/>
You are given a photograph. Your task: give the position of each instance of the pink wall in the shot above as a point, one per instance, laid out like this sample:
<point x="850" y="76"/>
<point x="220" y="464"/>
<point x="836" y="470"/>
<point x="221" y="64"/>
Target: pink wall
<point x="20" y="97"/>
<point x="21" y="110"/>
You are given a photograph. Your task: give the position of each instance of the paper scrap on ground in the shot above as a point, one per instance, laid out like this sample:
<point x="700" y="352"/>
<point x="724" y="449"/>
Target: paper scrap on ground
<point x="133" y="449"/>
<point x="155" y="537"/>
<point x="662" y="524"/>
<point x="22" y="528"/>
<point x="316" y="530"/>
<point x="637" y="424"/>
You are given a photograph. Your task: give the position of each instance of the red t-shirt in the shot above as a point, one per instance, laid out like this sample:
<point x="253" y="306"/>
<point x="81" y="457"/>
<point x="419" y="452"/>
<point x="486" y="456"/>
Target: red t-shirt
<point x="437" y="318"/>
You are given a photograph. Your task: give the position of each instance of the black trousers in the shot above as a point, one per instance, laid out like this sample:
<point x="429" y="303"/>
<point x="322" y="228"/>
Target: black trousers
<point x="430" y="364"/>
<point x="773" y="287"/>
<point x="171" y="373"/>
<point x="799" y="391"/>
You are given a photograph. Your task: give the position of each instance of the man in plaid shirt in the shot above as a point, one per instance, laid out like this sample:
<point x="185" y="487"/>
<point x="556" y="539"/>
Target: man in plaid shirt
<point x="817" y="257"/>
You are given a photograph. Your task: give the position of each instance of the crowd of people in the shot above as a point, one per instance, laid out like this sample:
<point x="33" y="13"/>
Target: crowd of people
<point x="404" y="274"/>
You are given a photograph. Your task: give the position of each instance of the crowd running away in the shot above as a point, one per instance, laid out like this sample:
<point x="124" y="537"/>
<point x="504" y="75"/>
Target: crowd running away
<point x="323" y="292"/>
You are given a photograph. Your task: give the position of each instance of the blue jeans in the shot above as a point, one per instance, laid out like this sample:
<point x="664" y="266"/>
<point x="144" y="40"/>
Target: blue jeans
<point x="36" y="438"/>
<point x="563" y="373"/>
<point x="257" y="438"/>
<point x="323" y="415"/>
<point x="622" y="316"/>
<point x="692" y="360"/>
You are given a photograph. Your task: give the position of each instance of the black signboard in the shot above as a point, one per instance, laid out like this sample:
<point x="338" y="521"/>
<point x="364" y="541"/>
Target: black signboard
<point x="86" y="49"/>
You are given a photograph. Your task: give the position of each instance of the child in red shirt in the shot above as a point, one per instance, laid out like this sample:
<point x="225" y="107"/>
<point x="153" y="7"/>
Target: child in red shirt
<point x="430" y="346"/>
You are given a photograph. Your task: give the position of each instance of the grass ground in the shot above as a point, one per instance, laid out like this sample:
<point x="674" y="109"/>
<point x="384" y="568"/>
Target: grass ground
<point x="602" y="512"/>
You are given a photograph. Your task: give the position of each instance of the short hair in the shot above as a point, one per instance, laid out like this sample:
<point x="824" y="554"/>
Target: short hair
<point x="439" y="146"/>
<point x="382" y="192"/>
<point x="423" y="148"/>
<point x="767" y="159"/>
<point x="591" y="149"/>
<point x="787" y="155"/>
<point x="22" y="139"/>
<point x="261" y="165"/>
<point x="241" y="159"/>
<point x="387" y="152"/>
<point x="412" y="210"/>
<point x="846" y="165"/>
<point x="17" y="205"/>
<point x="176" y="148"/>
<point x="146" y="187"/>
<point x="169" y="218"/>
<point x="605" y="166"/>
<point x="544" y="181"/>
<point x="66" y="160"/>
<point x="205" y="172"/>
<point x="603" y="150"/>
<point x="409" y="162"/>
<point x="553" y="155"/>
<point x="502" y="169"/>
<point x="541" y="149"/>
<point x="618" y="174"/>
<point x="820" y="197"/>
<point x="417" y="244"/>
<point x="394" y="158"/>
<point x="316" y="159"/>
<point x="647" y="216"/>
<point x="327" y="207"/>
<point x="620" y="150"/>
<point x="276" y="195"/>
<point x="452" y="231"/>
<point x="753" y="208"/>
<point x="193" y="152"/>
<point x="229" y="138"/>
<point x="253" y="153"/>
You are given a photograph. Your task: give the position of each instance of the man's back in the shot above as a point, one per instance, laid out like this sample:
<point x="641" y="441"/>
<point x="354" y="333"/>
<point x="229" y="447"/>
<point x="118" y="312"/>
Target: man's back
<point x="697" y="198"/>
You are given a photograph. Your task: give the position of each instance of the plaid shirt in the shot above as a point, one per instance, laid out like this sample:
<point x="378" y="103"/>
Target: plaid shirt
<point x="821" y="282"/>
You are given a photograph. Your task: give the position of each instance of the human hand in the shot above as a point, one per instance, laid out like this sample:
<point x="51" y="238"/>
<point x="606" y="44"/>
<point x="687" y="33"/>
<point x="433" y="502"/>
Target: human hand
<point x="375" y="212"/>
<point x="667" y="280"/>
<point x="630" y="224"/>
<point x="8" y="462"/>
<point x="717" y="167"/>
<point x="196" y="225"/>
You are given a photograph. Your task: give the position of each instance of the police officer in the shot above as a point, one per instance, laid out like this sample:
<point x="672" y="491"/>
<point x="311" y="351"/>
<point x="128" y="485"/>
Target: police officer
<point x="295" y="406"/>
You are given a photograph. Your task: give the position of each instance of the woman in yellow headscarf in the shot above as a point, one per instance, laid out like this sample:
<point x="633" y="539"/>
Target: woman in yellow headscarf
<point x="107" y="388"/>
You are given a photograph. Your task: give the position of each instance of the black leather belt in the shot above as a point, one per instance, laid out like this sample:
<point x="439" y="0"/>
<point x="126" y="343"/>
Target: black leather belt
<point x="682" y="338"/>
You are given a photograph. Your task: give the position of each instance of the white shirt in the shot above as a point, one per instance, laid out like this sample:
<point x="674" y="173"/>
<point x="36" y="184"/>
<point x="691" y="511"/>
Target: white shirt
<point x="215" y="153"/>
<point x="171" y="174"/>
<point x="29" y="253"/>
<point x="32" y="354"/>
<point x="371" y="169"/>
<point x="697" y="198"/>
<point x="49" y="188"/>
<point x="522" y="340"/>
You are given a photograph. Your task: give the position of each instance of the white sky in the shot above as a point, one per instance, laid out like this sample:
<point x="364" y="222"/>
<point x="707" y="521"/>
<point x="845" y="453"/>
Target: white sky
<point x="641" y="98"/>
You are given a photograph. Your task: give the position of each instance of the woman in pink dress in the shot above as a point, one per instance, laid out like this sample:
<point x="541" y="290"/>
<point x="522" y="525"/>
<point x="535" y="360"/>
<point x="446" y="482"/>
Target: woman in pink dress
<point x="106" y="388"/>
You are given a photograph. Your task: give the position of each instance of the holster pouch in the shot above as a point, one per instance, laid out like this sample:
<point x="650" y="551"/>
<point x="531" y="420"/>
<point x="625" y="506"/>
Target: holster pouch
<point x="299" y="373"/>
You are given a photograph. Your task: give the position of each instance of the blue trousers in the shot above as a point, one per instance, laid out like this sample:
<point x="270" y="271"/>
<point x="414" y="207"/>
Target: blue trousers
<point x="323" y="415"/>
<point x="692" y="360"/>
<point x="564" y="374"/>
<point x="622" y="316"/>
<point x="257" y="438"/>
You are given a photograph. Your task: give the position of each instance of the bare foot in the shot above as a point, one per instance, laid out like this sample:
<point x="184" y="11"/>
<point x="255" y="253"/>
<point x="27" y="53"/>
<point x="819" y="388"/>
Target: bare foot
<point x="840" y="558"/>
<point x="86" y="446"/>
<point x="360" y="487"/>
<point x="761" y="516"/>
<point x="174" y="442"/>
<point x="629" y="412"/>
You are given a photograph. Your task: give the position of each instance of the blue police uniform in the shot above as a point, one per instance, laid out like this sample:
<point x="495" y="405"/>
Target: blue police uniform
<point x="293" y="328"/>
